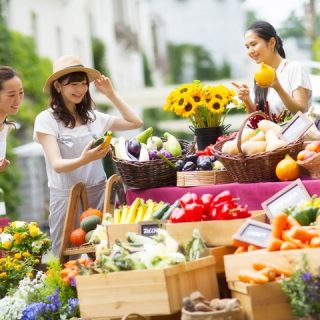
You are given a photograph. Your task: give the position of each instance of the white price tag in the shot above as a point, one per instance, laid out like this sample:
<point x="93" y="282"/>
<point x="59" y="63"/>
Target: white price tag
<point x="2" y="208"/>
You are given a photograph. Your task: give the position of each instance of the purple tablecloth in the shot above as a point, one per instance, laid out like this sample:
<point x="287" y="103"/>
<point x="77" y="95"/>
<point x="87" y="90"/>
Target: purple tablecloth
<point x="252" y="194"/>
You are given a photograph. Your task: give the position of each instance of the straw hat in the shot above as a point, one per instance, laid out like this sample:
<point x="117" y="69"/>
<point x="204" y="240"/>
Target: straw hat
<point x="68" y="64"/>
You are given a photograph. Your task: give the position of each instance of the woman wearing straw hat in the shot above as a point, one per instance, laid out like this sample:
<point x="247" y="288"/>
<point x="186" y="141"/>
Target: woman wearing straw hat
<point x="66" y="131"/>
<point x="11" y="97"/>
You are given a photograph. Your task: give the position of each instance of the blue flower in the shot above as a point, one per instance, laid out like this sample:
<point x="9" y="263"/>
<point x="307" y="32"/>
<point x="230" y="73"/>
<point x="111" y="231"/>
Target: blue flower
<point x="32" y="311"/>
<point x="306" y="276"/>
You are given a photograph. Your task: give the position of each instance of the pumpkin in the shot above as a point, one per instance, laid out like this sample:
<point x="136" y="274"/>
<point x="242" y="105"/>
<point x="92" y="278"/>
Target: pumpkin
<point x="265" y="76"/>
<point x="287" y="169"/>
<point x="78" y="237"/>
<point x="90" y="212"/>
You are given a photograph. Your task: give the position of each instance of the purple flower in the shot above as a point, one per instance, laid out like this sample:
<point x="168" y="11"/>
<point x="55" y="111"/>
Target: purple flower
<point x="306" y="276"/>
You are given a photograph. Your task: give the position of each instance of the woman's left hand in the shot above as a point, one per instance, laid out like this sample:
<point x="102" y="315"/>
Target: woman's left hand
<point x="104" y="85"/>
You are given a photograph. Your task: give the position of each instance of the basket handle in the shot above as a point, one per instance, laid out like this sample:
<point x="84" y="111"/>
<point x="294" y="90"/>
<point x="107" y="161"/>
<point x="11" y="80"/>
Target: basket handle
<point x="136" y="315"/>
<point x="251" y="115"/>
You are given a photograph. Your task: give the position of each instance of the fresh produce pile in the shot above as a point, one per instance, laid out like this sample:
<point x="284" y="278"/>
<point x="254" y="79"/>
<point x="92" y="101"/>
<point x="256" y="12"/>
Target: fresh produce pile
<point x="208" y="207"/>
<point x="311" y="149"/>
<point x="145" y="147"/>
<point x="197" y="162"/>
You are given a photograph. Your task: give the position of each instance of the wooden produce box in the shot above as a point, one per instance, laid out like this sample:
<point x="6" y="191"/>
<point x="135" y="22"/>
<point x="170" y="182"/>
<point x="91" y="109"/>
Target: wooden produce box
<point x="119" y="231"/>
<point x="147" y="292"/>
<point x="262" y="301"/>
<point x="214" y="233"/>
<point x="288" y="258"/>
<point x="219" y="253"/>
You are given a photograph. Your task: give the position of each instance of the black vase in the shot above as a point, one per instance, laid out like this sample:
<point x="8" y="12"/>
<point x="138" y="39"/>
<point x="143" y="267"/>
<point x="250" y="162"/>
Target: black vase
<point x="206" y="136"/>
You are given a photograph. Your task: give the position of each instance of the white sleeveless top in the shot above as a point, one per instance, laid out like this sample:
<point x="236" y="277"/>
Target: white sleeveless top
<point x="3" y="140"/>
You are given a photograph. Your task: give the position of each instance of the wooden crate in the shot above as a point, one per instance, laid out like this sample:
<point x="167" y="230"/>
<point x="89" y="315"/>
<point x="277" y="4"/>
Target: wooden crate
<point x="119" y="231"/>
<point x="147" y="292"/>
<point x="288" y="258"/>
<point x="262" y="301"/>
<point x="219" y="253"/>
<point x="214" y="233"/>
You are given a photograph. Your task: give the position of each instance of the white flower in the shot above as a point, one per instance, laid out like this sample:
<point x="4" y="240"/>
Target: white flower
<point x="18" y="224"/>
<point x="4" y="237"/>
<point x="11" y="308"/>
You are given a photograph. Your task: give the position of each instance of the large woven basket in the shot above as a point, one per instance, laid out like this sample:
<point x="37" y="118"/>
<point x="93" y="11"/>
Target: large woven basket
<point x="149" y="174"/>
<point x="258" y="167"/>
<point x="312" y="165"/>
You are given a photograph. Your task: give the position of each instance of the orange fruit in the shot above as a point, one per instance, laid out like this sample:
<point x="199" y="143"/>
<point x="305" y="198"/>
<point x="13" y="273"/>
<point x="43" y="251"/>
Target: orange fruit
<point x="265" y="76"/>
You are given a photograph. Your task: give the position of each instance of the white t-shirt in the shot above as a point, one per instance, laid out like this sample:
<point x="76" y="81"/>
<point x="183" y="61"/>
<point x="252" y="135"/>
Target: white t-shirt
<point x="3" y="140"/>
<point x="92" y="173"/>
<point x="291" y="75"/>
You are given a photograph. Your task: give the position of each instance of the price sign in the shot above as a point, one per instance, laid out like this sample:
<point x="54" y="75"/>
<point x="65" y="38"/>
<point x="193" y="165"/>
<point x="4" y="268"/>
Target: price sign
<point x="296" y="127"/>
<point x="291" y="195"/>
<point x="149" y="228"/>
<point x="254" y="232"/>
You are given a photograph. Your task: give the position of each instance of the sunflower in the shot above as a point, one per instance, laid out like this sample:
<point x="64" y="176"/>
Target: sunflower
<point x="187" y="107"/>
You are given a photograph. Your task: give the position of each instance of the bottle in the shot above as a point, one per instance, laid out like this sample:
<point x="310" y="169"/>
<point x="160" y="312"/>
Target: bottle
<point x="2" y="203"/>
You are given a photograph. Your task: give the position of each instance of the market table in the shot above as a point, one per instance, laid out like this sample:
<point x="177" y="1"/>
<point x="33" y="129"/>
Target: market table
<point x="251" y="194"/>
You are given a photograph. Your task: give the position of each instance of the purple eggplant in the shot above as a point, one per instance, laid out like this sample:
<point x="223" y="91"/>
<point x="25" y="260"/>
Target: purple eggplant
<point x="134" y="147"/>
<point x="153" y="154"/>
<point x="166" y="153"/>
<point x="130" y="155"/>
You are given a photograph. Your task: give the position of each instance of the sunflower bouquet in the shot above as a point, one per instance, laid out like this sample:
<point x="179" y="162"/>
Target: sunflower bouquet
<point x="204" y="105"/>
<point x="24" y="237"/>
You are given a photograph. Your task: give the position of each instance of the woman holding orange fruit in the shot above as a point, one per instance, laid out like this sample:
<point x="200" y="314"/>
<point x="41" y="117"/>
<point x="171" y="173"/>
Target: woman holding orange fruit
<point x="281" y="86"/>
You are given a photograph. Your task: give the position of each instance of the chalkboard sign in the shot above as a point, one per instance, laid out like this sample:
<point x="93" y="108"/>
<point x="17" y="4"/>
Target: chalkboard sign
<point x="254" y="232"/>
<point x="149" y="228"/>
<point x="296" y="127"/>
<point x="291" y="195"/>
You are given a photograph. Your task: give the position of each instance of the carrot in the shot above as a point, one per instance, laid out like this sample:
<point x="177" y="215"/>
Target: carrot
<point x="275" y="267"/>
<point x="274" y="244"/>
<point x="240" y="250"/>
<point x="279" y="224"/>
<point x="315" y="242"/>
<point x="286" y="236"/>
<point x="269" y="272"/>
<point x="239" y="243"/>
<point x="292" y="222"/>
<point x="252" y="247"/>
<point x="288" y="245"/>
<point x="252" y="276"/>
<point x="302" y="234"/>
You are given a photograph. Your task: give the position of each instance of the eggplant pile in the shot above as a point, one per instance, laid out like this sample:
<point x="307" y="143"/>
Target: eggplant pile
<point x="194" y="162"/>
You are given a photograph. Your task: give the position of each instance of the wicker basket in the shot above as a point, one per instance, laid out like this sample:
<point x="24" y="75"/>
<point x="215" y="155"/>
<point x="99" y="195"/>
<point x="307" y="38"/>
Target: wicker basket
<point x="312" y="165"/>
<point x="201" y="178"/>
<point x="149" y="174"/>
<point x="257" y="167"/>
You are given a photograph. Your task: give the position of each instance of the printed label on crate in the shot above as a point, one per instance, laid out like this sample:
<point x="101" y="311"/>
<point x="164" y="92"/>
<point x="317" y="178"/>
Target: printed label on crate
<point x="296" y="127"/>
<point x="290" y="196"/>
<point x="254" y="232"/>
<point x="149" y="228"/>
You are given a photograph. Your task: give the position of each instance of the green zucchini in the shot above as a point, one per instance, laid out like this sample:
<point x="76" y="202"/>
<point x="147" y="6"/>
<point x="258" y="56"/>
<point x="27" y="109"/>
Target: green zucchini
<point x="157" y="215"/>
<point x="167" y="214"/>
<point x="97" y="142"/>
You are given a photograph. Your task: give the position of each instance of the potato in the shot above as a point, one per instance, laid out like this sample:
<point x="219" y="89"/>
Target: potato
<point x="266" y="125"/>
<point x="230" y="147"/>
<point x="253" y="147"/>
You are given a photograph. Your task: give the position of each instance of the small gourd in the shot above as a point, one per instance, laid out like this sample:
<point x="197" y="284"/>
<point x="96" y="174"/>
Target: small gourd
<point x="287" y="169"/>
<point x="78" y="237"/>
<point x="265" y="76"/>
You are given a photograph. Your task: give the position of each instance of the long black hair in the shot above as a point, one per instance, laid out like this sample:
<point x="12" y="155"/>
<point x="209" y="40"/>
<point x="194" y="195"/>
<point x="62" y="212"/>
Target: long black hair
<point x="265" y="31"/>
<point x="83" y="109"/>
<point x="7" y="73"/>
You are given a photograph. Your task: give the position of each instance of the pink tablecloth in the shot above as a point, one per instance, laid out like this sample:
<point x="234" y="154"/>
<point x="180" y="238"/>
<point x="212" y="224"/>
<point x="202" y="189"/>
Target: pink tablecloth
<point x="252" y="194"/>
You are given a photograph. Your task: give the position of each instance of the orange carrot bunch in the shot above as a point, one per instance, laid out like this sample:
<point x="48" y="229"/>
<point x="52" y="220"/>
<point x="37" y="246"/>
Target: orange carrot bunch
<point x="288" y="234"/>
<point x="72" y="268"/>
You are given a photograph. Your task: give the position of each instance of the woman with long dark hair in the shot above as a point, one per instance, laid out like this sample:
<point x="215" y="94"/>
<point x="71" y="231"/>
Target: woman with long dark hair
<point x="11" y="97"/>
<point x="291" y="88"/>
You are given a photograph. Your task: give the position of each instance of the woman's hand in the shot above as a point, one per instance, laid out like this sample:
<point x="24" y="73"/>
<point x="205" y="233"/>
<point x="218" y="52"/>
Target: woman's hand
<point x="96" y="153"/>
<point x="242" y="91"/>
<point x="4" y="163"/>
<point x="104" y="85"/>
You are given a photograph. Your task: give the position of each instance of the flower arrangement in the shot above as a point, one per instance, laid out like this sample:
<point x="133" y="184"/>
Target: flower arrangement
<point x="20" y="236"/>
<point x="205" y="106"/>
<point x="303" y="289"/>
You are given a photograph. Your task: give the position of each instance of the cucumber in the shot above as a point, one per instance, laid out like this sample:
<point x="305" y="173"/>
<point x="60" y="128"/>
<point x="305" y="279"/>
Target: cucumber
<point x="157" y="215"/>
<point x="167" y="213"/>
<point x="97" y="142"/>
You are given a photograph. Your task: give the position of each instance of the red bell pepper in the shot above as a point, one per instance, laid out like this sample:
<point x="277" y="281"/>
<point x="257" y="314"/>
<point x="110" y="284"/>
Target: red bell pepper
<point x="193" y="212"/>
<point x="178" y="215"/>
<point x="224" y="196"/>
<point x="187" y="198"/>
<point x="207" y="200"/>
